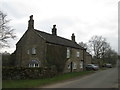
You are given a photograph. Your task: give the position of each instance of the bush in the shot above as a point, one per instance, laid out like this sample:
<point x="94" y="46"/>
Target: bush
<point x="16" y="73"/>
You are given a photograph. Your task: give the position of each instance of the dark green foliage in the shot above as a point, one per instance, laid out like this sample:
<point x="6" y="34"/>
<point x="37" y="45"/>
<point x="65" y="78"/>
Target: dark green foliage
<point x="26" y="73"/>
<point x="12" y="59"/>
<point x="119" y="57"/>
<point x="5" y="59"/>
<point x="56" y="55"/>
<point x="8" y="59"/>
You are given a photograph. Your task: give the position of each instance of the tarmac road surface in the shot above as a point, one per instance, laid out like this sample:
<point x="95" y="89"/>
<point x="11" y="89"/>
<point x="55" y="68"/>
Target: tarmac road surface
<point x="101" y="79"/>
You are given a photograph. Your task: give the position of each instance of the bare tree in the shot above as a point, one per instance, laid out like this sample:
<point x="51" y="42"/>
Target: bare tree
<point x="105" y="48"/>
<point x="6" y="32"/>
<point x="85" y="45"/>
<point x="99" y="46"/>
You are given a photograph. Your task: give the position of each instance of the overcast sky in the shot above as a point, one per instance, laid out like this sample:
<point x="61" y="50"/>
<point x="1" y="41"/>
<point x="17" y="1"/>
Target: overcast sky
<point x="84" y="18"/>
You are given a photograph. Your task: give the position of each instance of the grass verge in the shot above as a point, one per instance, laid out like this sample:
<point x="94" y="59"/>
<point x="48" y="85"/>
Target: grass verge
<point x="41" y="82"/>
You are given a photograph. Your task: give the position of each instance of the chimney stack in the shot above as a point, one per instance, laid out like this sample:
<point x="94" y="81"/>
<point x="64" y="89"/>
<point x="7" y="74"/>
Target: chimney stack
<point x="54" y="30"/>
<point x="73" y="37"/>
<point x="31" y="23"/>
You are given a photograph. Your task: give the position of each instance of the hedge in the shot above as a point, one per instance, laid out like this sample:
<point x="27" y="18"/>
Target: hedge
<point x="16" y="73"/>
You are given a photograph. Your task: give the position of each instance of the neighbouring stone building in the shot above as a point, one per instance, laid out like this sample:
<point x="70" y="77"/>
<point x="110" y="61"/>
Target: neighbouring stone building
<point x="88" y="58"/>
<point x="40" y="49"/>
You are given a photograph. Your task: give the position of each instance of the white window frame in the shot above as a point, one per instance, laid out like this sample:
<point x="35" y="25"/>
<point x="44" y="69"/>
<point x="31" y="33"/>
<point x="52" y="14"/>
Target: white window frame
<point x="28" y="51"/>
<point x="68" y="52"/>
<point x="34" y="65"/>
<point x="78" y="54"/>
<point x="33" y="50"/>
<point x="81" y="64"/>
<point x="37" y="65"/>
<point x="31" y="65"/>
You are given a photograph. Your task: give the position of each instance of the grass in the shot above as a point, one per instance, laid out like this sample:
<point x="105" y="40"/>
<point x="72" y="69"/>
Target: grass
<point x="41" y="82"/>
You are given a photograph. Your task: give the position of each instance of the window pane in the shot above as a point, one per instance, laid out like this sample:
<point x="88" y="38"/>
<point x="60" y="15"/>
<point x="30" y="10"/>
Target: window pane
<point x="81" y="64"/>
<point x="74" y="65"/>
<point x="36" y="65"/>
<point x="33" y="51"/>
<point x="78" y="54"/>
<point x="28" y="52"/>
<point x="68" y="53"/>
<point x="29" y="65"/>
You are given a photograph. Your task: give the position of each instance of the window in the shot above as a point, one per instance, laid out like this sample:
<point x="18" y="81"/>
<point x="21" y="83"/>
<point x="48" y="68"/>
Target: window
<point x="81" y="64"/>
<point x="68" y="53"/>
<point x="74" y="65"/>
<point x="33" y="50"/>
<point x="34" y="63"/>
<point x="28" y="52"/>
<point x="78" y="54"/>
<point x="31" y="65"/>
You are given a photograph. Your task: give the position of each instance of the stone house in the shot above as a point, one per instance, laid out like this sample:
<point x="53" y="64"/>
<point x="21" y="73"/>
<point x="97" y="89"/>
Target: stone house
<point x="40" y="49"/>
<point x="88" y="58"/>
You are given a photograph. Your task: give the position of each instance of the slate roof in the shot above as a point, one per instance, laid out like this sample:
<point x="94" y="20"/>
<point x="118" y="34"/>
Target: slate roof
<point x="53" y="39"/>
<point x="88" y="54"/>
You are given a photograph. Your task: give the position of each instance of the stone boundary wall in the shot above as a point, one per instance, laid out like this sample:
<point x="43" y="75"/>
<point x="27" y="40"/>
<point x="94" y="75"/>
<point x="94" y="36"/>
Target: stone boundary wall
<point x="16" y="73"/>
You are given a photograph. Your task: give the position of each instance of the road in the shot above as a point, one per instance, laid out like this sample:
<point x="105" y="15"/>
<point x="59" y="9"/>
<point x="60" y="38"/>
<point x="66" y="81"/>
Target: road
<point x="101" y="79"/>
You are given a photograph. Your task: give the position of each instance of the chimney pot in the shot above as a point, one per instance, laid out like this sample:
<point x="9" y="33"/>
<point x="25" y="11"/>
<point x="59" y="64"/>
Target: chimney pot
<point x="54" y="30"/>
<point x="31" y="23"/>
<point x="73" y="37"/>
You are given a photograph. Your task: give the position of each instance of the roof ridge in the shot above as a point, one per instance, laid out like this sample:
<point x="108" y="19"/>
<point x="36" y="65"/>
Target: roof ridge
<point x="57" y="39"/>
<point x="42" y="31"/>
<point x="51" y="34"/>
